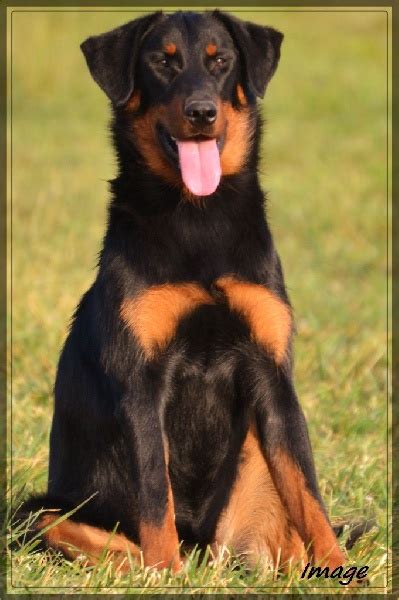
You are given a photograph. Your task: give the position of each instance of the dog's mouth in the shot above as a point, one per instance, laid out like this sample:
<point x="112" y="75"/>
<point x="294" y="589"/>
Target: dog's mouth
<point x="198" y="159"/>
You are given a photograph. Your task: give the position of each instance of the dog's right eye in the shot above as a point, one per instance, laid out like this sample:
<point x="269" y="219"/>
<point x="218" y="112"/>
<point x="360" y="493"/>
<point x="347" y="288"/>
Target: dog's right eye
<point x="160" y="60"/>
<point x="163" y="65"/>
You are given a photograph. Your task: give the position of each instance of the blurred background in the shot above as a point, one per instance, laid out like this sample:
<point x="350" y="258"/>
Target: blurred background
<point x="324" y="167"/>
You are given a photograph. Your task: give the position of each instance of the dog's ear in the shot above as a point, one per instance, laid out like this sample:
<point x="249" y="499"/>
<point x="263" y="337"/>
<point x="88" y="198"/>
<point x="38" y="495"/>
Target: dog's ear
<point x="259" y="49"/>
<point x="112" y="56"/>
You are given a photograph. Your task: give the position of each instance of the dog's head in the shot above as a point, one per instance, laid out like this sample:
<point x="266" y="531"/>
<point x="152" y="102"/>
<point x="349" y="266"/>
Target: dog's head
<point x="188" y="83"/>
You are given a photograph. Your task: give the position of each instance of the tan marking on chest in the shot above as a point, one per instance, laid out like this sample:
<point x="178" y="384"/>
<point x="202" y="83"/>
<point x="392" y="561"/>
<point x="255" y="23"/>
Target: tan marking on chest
<point x="268" y="318"/>
<point x="154" y="314"/>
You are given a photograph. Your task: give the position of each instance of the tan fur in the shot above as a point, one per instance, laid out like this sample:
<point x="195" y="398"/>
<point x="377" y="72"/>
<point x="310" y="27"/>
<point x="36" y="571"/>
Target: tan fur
<point x="154" y="315"/>
<point x="255" y="523"/>
<point x="211" y="49"/>
<point x="160" y="545"/>
<point x="133" y="103"/>
<point x="170" y="49"/>
<point x="74" y="539"/>
<point x="145" y="136"/>
<point x="267" y="316"/>
<point x="306" y="513"/>
<point x="235" y="125"/>
<point x="237" y="142"/>
<point x="241" y="96"/>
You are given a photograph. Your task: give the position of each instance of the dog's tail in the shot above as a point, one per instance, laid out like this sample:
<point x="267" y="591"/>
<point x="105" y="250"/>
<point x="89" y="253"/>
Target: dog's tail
<point x="45" y="522"/>
<point x="353" y="528"/>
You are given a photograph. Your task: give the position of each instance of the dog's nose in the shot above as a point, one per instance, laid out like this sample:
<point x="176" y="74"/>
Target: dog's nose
<point x="200" y="112"/>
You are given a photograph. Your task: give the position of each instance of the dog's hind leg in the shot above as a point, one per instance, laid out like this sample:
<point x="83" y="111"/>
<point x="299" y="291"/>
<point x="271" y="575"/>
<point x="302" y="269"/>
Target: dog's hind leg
<point x="255" y="525"/>
<point x="285" y="444"/>
<point x="78" y="539"/>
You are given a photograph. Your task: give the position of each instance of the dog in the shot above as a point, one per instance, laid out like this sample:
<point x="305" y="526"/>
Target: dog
<point x="176" y="419"/>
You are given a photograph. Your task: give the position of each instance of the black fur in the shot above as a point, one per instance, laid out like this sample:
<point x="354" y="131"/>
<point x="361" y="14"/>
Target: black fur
<point x="113" y="407"/>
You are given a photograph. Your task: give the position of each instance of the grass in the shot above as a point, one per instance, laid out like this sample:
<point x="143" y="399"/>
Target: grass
<point x="324" y="166"/>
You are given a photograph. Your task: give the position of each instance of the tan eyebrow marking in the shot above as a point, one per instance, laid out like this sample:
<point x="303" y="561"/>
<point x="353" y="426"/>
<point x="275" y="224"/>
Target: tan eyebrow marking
<point x="211" y="49"/>
<point x="170" y="48"/>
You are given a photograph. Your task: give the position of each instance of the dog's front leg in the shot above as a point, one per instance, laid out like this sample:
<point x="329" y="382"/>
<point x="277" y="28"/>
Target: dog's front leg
<point x="285" y="443"/>
<point x="142" y="418"/>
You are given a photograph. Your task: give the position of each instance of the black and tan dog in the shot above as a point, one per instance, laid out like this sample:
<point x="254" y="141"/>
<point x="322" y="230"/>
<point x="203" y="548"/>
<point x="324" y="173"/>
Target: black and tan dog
<point x="174" y="400"/>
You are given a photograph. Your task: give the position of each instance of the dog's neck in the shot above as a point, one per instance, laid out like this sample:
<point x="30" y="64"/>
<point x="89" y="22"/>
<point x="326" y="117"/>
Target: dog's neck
<point x="147" y="214"/>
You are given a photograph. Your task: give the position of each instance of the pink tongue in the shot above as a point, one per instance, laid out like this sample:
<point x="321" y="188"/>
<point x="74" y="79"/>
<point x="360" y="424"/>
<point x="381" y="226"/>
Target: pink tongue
<point x="200" y="166"/>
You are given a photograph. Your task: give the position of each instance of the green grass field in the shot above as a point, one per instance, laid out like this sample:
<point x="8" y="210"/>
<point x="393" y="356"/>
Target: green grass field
<point x="324" y="167"/>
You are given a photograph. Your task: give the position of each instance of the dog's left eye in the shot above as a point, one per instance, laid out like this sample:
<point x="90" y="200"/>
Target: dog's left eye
<point x="158" y="59"/>
<point x="218" y="64"/>
<point x="164" y="61"/>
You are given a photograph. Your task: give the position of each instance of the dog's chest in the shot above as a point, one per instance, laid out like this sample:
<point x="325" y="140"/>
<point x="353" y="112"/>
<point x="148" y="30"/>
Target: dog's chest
<point x="155" y="315"/>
